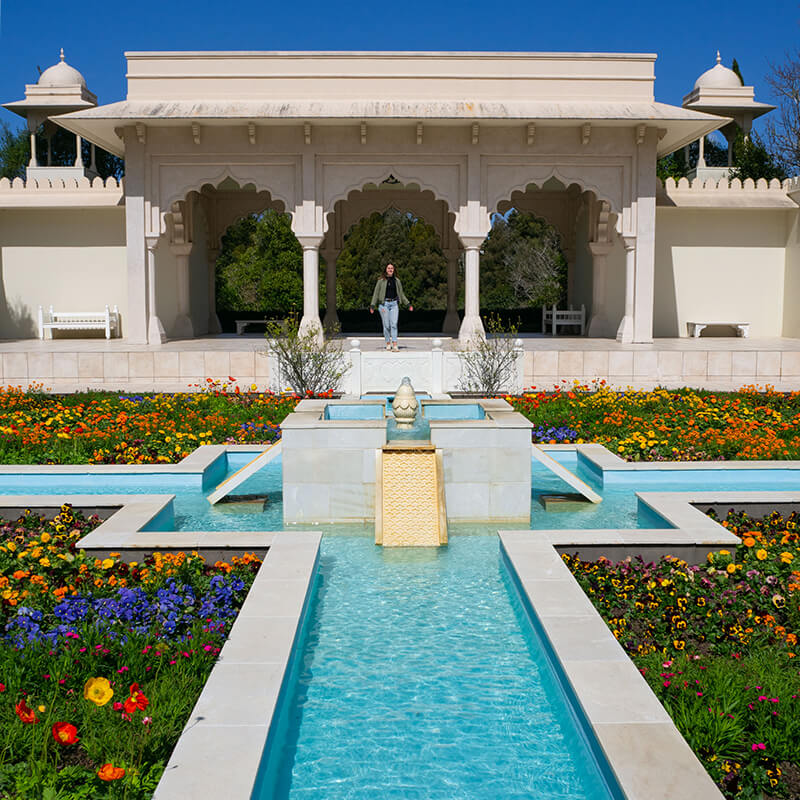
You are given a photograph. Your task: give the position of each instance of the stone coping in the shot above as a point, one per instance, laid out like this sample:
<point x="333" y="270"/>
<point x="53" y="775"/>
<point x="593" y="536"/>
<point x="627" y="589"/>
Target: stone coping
<point x="125" y="521"/>
<point x="499" y="414"/>
<point x="233" y="717"/>
<point x="602" y="460"/>
<point x="647" y="754"/>
<point x="222" y="744"/>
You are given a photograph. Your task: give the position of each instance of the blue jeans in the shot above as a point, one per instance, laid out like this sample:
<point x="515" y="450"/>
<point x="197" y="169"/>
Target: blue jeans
<point x="389" y="311"/>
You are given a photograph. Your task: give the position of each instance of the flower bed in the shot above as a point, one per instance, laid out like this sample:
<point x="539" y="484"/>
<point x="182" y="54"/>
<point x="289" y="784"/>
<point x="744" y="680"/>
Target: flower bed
<point x="659" y="425"/>
<point x="101" y="661"/>
<point x="718" y="644"/>
<point x="108" y="428"/>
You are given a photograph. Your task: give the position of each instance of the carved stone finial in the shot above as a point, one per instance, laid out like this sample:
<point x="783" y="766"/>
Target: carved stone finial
<point x="62" y="53"/>
<point x="405" y="404"/>
<point x="719" y="58"/>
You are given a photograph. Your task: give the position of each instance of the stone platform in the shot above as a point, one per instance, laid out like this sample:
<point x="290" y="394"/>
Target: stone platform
<point x="724" y="363"/>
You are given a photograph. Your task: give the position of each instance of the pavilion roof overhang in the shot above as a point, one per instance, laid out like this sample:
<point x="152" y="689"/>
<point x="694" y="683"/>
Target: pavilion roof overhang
<point x="677" y="126"/>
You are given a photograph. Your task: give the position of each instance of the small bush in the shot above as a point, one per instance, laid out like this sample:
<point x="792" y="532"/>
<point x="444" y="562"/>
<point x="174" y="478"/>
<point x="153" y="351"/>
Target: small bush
<point x="489" y="366"/>
<point x="305" y="363"/>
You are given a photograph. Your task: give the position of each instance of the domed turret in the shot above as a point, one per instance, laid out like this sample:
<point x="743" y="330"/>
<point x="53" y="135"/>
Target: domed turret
<point x="59" y="90"/>
<point x="718" y="77"/>
<point x="61" y="75"/>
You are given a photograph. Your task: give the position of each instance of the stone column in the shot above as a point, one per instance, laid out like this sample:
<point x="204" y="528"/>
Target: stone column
<point x="701" y="157"/>
<point x="136" y="319"/>
<point x="625" y="330"/>
<point x="183" y="322"/>
<point x="451" y="319"/>
<point x="644" y="282"/>
<point x="598" y="321"/>
<point x="310" y="322"/>
<point x="33" y="162"/>
<point x="79" y="151"/>
<point x="155" y="330"/>
<point x="472" y="325"/>
<point x="331" y="321"/>
<point x="214" y="326"/>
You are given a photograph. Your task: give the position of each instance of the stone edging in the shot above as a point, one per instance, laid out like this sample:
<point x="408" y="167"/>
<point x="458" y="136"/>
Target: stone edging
<point x="222" y="744"/>
<point x="646" y="752"/>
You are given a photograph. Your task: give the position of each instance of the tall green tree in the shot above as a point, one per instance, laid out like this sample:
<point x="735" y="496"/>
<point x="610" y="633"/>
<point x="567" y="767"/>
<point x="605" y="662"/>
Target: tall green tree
<point x="402" y="239"/>
<point x="522" y="264"/>
<point x="752" y="160"/>
<point x="15" y="152"/>
<point x="260" y="266"/>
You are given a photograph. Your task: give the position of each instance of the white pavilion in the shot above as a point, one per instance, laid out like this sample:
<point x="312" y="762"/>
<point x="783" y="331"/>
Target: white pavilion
<point x="330" y="137"/>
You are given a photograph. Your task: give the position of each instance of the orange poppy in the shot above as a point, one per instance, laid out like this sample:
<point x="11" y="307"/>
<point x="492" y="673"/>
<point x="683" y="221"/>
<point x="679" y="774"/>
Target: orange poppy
<point x="26" y="714"/>
<point x="64" y="733"/>
<point x="108" y="772"/>
<point x="137" y="700"/>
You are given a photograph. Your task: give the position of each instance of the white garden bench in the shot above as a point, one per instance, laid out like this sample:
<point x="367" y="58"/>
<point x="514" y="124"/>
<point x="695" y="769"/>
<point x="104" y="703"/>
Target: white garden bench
<point x="696" y="328"/>
<point x="51" y="320"/>
<point x="241" y="324"/>
<point x="554" y="317"/>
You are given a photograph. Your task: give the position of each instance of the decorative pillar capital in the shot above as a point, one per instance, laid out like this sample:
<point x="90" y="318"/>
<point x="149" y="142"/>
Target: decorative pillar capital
<point x="600" y="248"/>
<point x="471" y="242"/>
<point x="151" y="242"/>
<point x="310" y="241"/>
<point x="629" y="243"/>
<point x="183" y="249"/>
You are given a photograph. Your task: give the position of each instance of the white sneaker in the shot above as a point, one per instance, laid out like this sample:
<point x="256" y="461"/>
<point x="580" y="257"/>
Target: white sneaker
<point x="395" y="347"/>
<point x="388" y="345"/>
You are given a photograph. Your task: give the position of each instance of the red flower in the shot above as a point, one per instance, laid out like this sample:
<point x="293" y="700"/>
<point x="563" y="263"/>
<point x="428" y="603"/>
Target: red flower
<point x="108" y="772"/>
<point x="26" y="714"/>
<point x="137" y="701"/>
<point x="64" y="733"/>
<point x="2" y="687"/>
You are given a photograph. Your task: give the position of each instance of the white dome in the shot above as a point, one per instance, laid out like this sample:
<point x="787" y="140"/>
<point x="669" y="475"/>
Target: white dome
<point x="718" y="77"/>
<point x="62" y="74"/>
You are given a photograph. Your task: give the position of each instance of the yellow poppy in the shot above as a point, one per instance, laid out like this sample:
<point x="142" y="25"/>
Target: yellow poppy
<point x="98" y="691"/>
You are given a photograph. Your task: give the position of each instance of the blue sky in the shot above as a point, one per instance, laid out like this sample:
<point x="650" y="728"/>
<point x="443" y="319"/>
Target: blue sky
<point x="685" y="35"/>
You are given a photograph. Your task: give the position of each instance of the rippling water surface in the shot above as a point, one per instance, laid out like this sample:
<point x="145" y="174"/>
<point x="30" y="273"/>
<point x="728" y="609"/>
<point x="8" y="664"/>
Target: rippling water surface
<point x="421" y="678"/>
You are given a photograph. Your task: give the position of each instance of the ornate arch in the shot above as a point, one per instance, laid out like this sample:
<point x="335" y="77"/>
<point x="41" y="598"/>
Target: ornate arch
<point x="606" y="181"/>
<point x="448" y="187"/>
<point x="406" y="198"/>
<point x="176" y="181"/>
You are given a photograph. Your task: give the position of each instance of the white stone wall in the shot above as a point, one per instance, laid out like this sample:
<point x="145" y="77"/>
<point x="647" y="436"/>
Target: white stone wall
<point x="725" y="264"/>
<point x="791" y="281"/>
<point x="72" y="258"/>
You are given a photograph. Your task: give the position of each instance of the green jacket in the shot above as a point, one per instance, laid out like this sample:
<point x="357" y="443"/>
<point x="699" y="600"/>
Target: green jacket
<point x="379" y="295"/>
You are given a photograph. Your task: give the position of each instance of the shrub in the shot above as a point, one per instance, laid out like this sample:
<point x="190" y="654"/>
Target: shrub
<point x="306" y="363"/>
<point x="489" y="366"/>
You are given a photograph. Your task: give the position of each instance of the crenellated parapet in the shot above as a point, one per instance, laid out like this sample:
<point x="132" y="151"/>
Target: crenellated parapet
<point x="67" y="192"/>
<point x="726" y="193"/>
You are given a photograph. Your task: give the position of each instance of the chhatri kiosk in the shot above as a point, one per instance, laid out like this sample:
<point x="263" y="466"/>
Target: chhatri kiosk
<point x="451" y="137"/>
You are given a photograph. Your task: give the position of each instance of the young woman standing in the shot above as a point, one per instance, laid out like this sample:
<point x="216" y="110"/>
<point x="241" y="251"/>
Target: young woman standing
<point x="388" y="297"/>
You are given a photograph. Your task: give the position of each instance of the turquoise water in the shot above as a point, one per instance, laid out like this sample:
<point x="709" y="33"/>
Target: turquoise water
<point x="619" y="508"/>
<point x="421" y="677"/>
<point x="453" y="411"/>
<point x="354" y="411"/>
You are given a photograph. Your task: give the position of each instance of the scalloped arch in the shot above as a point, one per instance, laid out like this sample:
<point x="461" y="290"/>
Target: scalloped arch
<point x="566" y="180"/>
<point x="390" y="201"/>
<point x="377" y="178"/>
<point x="196" y="184"/>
